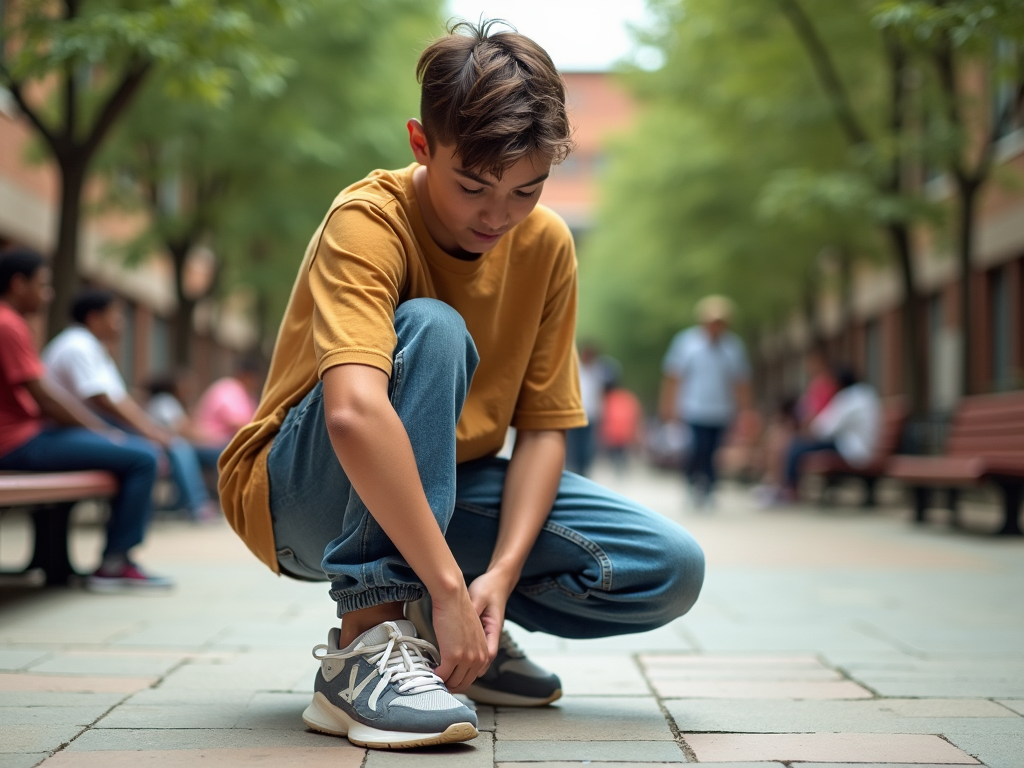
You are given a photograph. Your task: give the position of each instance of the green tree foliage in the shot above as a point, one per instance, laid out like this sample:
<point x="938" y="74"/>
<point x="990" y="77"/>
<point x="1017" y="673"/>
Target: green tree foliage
<point x="251" y="179"/>
<point x="736" y="179"/>
<point x="74" y="66"/>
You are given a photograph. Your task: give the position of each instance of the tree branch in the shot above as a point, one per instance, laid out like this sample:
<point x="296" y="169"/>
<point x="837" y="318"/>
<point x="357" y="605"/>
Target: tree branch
<point x="826" y="70"/>
<point x="116" y="103"/>
<point x="15" y="90"/>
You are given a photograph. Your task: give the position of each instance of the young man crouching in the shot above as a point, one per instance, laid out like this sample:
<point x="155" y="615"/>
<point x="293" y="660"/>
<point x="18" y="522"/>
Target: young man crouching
<point x="434" y="308"/>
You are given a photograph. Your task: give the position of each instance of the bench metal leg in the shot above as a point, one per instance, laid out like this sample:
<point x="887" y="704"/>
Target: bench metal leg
<point x="870" y="498"/>
<point x="921" y="499"/>
<point x="1013" y="493"/>
<point x="50" y="553"/>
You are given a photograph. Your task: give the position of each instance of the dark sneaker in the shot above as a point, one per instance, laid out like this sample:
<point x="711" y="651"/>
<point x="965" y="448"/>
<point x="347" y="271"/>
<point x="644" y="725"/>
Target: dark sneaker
<point x="381" y="692"/>
<point x="125" y="577"/>
<point x="512" y="680"/>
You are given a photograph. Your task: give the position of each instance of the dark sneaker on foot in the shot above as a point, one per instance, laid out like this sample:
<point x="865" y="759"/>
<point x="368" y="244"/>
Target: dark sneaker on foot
<point x="125" y="577"/>
<point x="512" y="680"/>
<point x="381" y="692"/>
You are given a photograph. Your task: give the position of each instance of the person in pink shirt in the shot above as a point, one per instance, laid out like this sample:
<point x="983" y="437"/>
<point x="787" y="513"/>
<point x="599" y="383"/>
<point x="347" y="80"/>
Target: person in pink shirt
<point x="228" y="404"/>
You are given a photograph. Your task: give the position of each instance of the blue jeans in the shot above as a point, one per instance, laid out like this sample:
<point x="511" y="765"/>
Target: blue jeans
<point x="700" y="460"/>
<point x="799" y="448"/>
<point x="602" y="565"/>
<point x="134" y="461"/>
<point x="187" y="474"/>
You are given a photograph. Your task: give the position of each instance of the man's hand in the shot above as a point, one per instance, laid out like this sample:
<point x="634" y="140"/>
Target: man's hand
<point x="489" y="594"/>
<point x="461" y="641"/>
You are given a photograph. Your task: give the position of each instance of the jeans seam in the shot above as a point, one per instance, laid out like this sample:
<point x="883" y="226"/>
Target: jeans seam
<point x="397" y="377"/>
<point x="576" y="538"/>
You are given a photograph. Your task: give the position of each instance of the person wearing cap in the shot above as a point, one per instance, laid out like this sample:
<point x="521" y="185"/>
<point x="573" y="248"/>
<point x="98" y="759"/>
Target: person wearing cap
<point x="705" y="381"/>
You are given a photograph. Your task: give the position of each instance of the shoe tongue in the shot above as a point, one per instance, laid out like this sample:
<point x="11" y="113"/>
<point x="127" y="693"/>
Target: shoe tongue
<point x="379" y="634"/>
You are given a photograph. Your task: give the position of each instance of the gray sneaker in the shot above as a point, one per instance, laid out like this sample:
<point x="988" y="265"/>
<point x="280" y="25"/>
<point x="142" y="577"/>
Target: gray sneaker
<point x="512" y="680"/>
<point x="381" y="692"/>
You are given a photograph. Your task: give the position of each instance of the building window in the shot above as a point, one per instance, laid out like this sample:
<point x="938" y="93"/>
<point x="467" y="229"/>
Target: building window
<point x="159" y="346"/>
<point x="873" y="353"/>
<point x="999" y="320"/>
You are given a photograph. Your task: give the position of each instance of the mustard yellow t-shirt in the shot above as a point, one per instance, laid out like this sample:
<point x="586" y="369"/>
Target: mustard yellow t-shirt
<point x="371" y="253"/>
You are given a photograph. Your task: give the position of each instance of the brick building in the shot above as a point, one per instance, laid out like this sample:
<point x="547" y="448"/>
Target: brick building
<point x="28" y="215"/>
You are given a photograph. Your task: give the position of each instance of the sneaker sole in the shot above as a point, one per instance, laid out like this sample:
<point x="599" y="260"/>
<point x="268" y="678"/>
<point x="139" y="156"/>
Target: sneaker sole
<point x="502" y="699"/>
<point x="324" y="717"/>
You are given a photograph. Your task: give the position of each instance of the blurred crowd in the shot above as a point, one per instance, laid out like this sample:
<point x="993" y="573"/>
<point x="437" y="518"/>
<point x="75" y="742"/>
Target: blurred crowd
<point x="707" y="424"/>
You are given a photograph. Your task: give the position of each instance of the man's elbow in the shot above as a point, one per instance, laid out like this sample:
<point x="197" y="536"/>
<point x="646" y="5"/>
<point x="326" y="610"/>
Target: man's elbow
<point x="351" y="414"/>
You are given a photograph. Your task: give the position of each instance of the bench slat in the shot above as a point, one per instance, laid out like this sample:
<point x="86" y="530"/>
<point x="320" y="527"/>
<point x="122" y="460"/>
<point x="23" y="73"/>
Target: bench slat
<point x="54" y="487"/>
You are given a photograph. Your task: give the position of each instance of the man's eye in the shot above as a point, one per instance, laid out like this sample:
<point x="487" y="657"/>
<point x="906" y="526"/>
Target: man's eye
<point x="527" y="195"/>
<point x="469" y="191"/>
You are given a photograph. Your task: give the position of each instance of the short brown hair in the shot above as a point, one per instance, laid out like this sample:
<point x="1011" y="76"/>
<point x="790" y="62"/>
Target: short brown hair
<point x="496" y="97"/>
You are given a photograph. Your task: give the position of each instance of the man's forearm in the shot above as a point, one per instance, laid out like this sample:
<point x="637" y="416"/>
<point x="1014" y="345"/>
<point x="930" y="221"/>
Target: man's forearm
<point x="127" y="412"/>
<point x="668" y="397"/>
<point x="62" y="408"/>
<point x="372" y="444"/>
<point x="531" y="485"/>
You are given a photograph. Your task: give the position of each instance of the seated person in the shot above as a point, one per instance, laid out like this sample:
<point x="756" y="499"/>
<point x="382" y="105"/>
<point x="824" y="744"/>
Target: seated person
<point x="42" y="429"/>
<point x="229" y="403"/>
<point x="166" y="407"/>
<point x="77" y="360"/>
<point x="849" y="424"/>
<point x="620" y="428"/>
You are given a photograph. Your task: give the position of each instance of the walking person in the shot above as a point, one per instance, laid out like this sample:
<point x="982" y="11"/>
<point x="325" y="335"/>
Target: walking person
<point x="434" y="308"/>
<point x="705" y="382"/>
<point x="42" y="429"/>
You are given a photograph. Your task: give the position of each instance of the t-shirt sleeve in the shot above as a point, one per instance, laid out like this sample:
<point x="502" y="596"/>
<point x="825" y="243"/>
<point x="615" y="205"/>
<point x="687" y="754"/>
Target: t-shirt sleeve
<point x="549" y="397"/>
<point x="88" y="373"/>
<point x="19" y="361"/>
<point x="356" y="278"/>
<point x="674" y="362"/>
<point x="742" y="364"/>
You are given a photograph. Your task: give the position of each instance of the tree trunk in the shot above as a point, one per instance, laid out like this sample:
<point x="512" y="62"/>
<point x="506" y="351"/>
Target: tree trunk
<point x="183" y="313"/>
<point x="968" y="189"/>
<point x="913" y="349"/>
<point x="65" y="261"/>
<point x="846" y="305"/>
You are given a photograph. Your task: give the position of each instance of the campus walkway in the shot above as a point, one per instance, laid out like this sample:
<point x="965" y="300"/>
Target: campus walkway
<point x="822" y="637"/>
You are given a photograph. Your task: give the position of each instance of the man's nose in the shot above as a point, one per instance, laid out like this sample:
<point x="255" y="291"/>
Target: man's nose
<point x="494" y="218"/>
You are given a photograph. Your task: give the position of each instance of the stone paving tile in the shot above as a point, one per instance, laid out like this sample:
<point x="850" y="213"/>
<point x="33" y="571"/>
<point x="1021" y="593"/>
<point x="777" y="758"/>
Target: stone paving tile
<point x="50" y="715"/>
<point x="22" y="760"/>
<point x="595" y="675"/>
<point x="484" y="713"/>
<point x="242" y="757"/>
<point x="867" y="716"/>
<point x="596" y="764"/>
<point x="759" y="689"/>
<point x="477" y="753"/>
<point x="996" y="750"/>
<point x="256" y="670"/>
<point x="73" y="683"/>
<point x="580" y="718"/>
<point x="147" y="739"/>
<point x="112" y="662"/>
<point x="281" y="711"/>
<point x="36" y="737"/>
<point x="101" y="701"/>
<point x="587" y="751"/>
<point x="195" y="715"/>
<point x="13" y="659"/>
<point x="825" y="747"/>
<point x="1017" y="705"/>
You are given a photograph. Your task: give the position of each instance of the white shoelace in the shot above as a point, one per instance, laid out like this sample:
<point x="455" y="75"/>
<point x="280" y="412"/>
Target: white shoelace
<point x="506" y="643"/>
<point x="401" y="659"/>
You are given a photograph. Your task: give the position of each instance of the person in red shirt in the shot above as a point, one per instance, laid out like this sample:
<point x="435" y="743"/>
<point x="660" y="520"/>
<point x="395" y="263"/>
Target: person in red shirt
<point x="620" y="427"/>
<point x="42" y="429"/>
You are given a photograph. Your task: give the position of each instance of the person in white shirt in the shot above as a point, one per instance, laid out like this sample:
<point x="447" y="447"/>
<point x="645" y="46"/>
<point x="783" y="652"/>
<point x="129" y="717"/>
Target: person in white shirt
<point x="849" y="425"/>
<point x="581" y="442"/>
<point x="706" y="381"/>
<point x="77" y="360"/>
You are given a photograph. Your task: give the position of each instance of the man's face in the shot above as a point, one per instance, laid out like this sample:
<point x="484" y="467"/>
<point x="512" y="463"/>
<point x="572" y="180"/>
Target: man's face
<point x="107" y="324"/>
<point x="37" y="293"/>
<point x="716" y="328"/>
<point x="472" y="209"/>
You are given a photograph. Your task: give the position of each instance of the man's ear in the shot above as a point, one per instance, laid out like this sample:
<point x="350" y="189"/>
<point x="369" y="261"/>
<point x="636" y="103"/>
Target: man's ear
<point x="418" y="141"/>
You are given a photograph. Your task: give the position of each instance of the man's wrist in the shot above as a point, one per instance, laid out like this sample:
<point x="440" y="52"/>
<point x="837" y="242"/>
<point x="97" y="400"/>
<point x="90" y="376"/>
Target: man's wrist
<point x="507" y="571"/>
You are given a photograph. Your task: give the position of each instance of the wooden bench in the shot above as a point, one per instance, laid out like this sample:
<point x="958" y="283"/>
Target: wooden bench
<point x="833" y="468"/>
<point x="50" y="496"/>
<point x="985" y="446"/>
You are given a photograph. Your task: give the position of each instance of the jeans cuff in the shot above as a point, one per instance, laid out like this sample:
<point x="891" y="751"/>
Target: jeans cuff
<point x="368" y="598"/>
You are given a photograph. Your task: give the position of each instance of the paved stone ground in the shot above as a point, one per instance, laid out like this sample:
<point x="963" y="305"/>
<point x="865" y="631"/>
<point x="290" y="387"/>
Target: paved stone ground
<point x="823" y="637"/>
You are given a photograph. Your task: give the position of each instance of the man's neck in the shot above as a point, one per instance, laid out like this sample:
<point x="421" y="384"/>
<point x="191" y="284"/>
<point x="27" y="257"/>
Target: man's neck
<point x="13" y="305"/>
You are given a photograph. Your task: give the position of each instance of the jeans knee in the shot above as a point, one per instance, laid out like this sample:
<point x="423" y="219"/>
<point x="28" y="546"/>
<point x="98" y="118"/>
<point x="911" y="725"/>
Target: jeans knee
<point x="684" y="569"/>
<point x="435" y="328"/>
